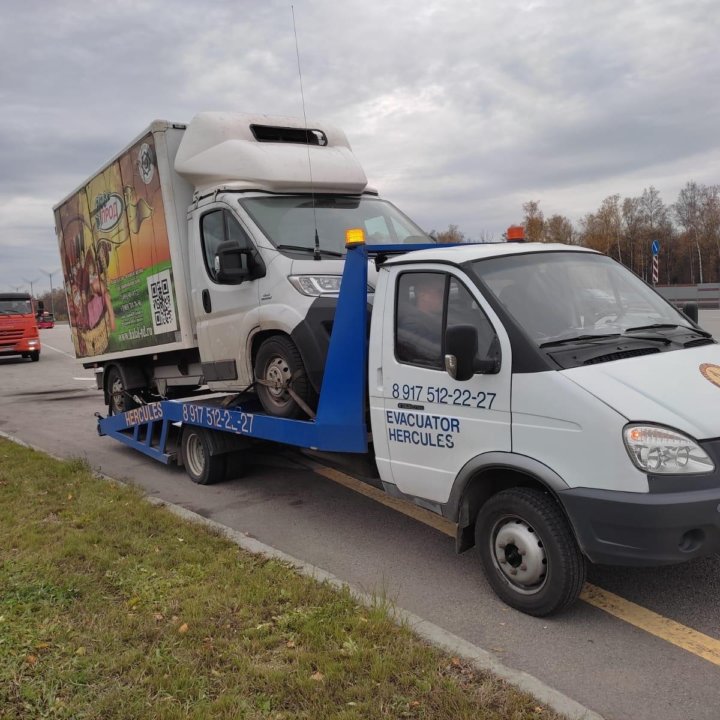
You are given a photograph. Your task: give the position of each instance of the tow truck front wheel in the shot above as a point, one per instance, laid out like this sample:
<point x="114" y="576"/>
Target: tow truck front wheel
<point x="201" y="465"/>
<point x="528" y="551"/>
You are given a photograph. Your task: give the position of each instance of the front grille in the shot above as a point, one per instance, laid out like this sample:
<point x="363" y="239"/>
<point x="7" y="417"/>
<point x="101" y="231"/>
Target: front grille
<point x="10" y="336"/>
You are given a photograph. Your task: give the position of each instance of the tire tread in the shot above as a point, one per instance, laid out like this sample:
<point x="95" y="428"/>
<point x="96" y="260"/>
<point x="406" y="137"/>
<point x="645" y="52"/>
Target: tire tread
<point x="570" y="565"/>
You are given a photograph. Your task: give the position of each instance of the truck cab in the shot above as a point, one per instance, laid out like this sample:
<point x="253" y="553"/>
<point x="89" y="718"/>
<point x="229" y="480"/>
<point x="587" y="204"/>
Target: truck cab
<point x="264" y="291"/>
<point x="551" y="404"/>
<point x="18" y="326"/>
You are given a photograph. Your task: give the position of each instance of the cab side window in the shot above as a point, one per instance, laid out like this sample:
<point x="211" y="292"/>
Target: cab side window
<point x="463" y="310"/>
<point x="428" y="303"/>
<point x="419" y="318"/>
<point x="218" y="227"/>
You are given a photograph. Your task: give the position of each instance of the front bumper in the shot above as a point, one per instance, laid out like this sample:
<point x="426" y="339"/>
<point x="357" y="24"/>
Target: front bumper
<point x="662" y="528"/>
<point x="24" y="345"/>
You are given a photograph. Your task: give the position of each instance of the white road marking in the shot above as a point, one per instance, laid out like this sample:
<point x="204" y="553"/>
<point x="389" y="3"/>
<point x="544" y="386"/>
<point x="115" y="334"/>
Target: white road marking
<point x="50" y="347"/>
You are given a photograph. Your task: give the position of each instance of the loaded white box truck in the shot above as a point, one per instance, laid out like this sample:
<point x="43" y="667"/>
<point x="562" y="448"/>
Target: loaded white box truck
<point x="211" y="255"/>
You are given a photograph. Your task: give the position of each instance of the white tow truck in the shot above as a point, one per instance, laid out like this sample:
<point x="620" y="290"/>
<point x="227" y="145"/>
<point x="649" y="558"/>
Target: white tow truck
<point x="541" y="397"/>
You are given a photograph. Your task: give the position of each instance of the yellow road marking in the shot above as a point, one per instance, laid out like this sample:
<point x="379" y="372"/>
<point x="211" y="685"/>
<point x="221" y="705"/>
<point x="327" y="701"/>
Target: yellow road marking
<point x="673" y="632"/>
<point x="651" y="622"/>
<point x="403" y="506"/>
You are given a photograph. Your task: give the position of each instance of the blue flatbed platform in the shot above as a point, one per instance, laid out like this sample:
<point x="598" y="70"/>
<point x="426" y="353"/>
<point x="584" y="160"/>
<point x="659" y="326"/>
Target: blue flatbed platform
<point x="339" y="425"/>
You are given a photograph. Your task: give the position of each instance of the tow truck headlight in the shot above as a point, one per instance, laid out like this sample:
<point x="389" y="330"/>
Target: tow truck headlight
<point x="662" y="451"/>
<point x="316" y="285"/>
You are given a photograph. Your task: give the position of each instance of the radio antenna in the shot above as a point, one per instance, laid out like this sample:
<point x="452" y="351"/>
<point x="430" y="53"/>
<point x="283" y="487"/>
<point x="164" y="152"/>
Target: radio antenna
<point x="316" y="254"/>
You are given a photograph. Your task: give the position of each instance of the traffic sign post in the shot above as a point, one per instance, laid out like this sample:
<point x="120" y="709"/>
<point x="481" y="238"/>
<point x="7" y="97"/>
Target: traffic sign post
<point x="655" y="247"/>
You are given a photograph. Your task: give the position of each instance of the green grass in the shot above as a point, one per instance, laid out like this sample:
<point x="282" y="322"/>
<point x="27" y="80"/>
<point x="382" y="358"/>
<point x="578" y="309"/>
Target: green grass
<point x="113" y="608"/>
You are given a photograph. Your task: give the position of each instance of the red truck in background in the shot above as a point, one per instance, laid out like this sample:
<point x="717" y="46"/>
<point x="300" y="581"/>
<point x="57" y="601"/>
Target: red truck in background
<point x="18" y="326"/>
<point x="45" y="320"/>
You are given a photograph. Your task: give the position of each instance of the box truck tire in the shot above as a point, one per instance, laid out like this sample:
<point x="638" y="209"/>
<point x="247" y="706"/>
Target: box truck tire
<point x="280" y="375"/>
<point x="119" y="399"/>
<point x="528" y="551"/>
<point x="202" y="466"/>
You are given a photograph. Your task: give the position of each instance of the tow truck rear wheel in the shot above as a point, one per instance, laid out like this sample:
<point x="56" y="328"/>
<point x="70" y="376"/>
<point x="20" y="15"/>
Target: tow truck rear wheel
<point x="279" y="367"/>
<point x="201" y="465"/>
<point x="529" y="552"/>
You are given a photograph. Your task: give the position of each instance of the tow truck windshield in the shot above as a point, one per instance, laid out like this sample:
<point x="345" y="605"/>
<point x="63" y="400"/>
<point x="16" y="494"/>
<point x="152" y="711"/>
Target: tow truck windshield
<point x="564" y="297"/>
<point x="290" y="221"/>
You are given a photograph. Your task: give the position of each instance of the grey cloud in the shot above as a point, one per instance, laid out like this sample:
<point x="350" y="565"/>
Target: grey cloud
<point x="458" y="110"/>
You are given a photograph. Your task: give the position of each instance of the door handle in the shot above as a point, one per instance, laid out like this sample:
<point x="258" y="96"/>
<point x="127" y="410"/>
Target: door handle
<point x="207" y="303"/>
<point x="410" y="406"/>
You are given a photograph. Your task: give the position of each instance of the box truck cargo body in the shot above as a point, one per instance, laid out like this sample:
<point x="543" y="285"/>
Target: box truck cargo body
<point x="211" y="254"/>
<point x="121" y="248"/>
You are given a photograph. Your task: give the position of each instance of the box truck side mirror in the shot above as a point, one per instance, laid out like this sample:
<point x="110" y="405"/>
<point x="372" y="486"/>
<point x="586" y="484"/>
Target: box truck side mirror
<point x="232" y="263"/>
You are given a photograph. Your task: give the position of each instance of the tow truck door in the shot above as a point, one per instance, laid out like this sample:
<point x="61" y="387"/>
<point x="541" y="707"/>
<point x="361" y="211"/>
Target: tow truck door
<point x="432" y="423"/>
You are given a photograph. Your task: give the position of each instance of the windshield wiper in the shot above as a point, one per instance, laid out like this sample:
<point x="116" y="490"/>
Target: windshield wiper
<point x="654" y="326"/>
<point x="669" y="326"/>
<point x="305" y="248"/>
<point x="578" y="338"/>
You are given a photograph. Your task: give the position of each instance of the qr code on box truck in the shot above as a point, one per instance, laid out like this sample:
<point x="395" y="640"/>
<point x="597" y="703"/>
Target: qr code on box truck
<point x="162" y="306"/>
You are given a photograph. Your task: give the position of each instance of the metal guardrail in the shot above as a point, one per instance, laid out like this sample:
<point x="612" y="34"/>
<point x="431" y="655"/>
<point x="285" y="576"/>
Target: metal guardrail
<point x="706" y="295"/>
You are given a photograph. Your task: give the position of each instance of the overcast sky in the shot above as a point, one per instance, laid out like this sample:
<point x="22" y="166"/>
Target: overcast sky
<point x="458" y="111"/>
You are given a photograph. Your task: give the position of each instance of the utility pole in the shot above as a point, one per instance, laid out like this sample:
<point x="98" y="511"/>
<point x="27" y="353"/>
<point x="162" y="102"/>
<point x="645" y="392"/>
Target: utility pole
<point x="52" y="299"/>
<point x="30" y="282"/>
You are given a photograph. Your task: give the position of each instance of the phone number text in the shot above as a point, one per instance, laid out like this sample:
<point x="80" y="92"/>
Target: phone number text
<point x="233" y="421"/>
<point x="443" y="396"/>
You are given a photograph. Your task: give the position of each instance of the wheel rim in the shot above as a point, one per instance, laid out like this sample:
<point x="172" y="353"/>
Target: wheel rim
<point x="518" y="553"/>
<point x="278" y="376"/>
<point x="117" y="393"/>
<point x="195" y="455"/>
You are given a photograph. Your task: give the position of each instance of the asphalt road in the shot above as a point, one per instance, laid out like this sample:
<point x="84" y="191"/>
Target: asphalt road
<point x="611" y="666"/>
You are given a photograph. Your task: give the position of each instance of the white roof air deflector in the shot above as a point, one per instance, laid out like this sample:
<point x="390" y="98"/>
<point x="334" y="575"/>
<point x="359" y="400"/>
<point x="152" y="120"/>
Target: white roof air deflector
<point x="260" y="152"/>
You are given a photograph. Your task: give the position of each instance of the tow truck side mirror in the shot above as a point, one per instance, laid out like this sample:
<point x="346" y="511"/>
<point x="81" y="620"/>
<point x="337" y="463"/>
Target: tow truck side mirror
<point x="461" y="344"/>
<point x="691" y="310"/>
<point x="461" y="348"/>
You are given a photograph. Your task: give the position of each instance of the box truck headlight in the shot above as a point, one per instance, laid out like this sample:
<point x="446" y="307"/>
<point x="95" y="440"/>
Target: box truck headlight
<point x="662" y="451"/>
<point x="316" y="285"/>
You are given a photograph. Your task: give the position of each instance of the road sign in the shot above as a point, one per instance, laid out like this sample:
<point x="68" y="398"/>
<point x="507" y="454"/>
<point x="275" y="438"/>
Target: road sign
<point x="655" y="269"/>
<point x="655" y="247"/>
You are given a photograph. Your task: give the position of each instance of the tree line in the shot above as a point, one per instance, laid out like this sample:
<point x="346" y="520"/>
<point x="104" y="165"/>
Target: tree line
<point x="688" y="231"/>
